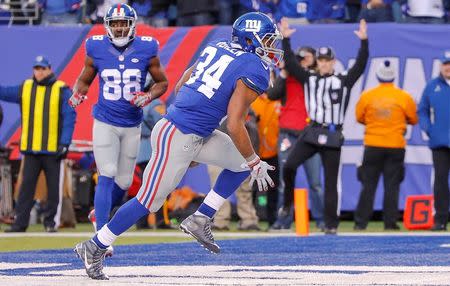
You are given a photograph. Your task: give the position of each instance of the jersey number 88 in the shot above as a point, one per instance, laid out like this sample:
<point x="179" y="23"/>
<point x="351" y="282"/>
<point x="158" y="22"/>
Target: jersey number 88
<point x="114" y="80"/>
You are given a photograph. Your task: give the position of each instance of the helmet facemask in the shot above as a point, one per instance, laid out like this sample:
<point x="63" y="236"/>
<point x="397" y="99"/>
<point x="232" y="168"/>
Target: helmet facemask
<point x="268" y="49"/>
<point x="121" y="30"/>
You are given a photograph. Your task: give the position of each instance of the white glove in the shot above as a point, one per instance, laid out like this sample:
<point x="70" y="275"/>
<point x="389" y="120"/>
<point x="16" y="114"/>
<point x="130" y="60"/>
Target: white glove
<point x="259" y="174"/>
<point x="141" y="99"/>
<point x="76" y="99"/>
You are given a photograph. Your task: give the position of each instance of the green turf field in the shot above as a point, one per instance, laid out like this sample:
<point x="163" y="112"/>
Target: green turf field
<point x="51" y="242"/>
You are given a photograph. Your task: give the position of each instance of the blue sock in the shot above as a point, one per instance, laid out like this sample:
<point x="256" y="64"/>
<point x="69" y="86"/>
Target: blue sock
<point x="102" y="200"/>
<point x="126" y="216"/>
<point x="117" y="196"/>
<point x="97" y="241"/>
<point x="206" y="210"/>
<point x="226" y="184"/>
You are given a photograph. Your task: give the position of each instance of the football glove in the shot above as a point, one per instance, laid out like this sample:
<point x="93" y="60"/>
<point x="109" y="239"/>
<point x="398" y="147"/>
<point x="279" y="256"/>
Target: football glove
<point x="141" y="99"/>
<point x="259" y="174"/>
<point x="76" y="99"/>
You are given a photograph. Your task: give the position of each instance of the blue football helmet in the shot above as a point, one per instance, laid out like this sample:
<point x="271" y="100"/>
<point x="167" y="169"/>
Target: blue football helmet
<point x="256" y="33"/>
<point x="120" y="12"/>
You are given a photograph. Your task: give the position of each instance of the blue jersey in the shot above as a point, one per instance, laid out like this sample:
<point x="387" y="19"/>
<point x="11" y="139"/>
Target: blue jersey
<point x="202" y="101"/>
<point x="121" y="72"/>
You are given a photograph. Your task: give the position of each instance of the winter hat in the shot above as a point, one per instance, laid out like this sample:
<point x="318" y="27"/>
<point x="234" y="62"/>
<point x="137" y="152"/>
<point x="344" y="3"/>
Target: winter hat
<point x="385" y="72"/>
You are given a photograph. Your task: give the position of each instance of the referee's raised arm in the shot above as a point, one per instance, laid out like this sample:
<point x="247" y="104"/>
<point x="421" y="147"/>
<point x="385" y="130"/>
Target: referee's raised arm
<point x="291" y="63"/>
<point x="363" y="55"/>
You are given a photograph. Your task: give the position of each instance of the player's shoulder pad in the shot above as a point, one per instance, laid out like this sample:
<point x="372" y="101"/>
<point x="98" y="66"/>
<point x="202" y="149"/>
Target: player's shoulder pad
<point x="256" y="73"/>
<point x="147" y="41"/>
<point x="148" y="44"/>
<point x="226" y="45"/>
<point x="95" y="41"/>
<point x="255" y="63"/>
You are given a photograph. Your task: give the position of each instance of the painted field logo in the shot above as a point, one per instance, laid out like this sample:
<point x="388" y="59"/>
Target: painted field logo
<point x="252" y="25"/>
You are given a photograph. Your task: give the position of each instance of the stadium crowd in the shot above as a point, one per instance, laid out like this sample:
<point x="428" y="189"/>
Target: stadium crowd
<point x="161" y="13"/>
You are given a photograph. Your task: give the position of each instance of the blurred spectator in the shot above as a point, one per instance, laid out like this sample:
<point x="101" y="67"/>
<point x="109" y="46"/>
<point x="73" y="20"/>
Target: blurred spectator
<point x="47" y="126"/>
<point x="159" y="14"/>
<point x="102" y="8"/>
<point x="293" y="10"/>
<point x="384" y="110"/>
<point x="196" y="12"/>
<point x="60" y="12"/>
<point x="376" y="10"/>
<point x="263" y="6"/>
<point x="151" y="12"/>
<point x="434" y="111"/>
<point x="267" y="119"/>
<point x="326" y="11"/>
<point x="142" y="8"/>
<point x="427" y="12"/>
<point x="353" y="8"/>
<point x="229" y="10"/>
<point x="293" y="119"/>
<point x="19" y="12"/>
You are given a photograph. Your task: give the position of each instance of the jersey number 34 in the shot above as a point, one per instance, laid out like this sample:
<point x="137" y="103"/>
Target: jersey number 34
<point x="210" y="72"/>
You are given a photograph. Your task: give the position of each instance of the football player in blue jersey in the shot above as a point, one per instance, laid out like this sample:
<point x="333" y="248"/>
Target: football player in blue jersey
<point x="226" y="78"/>
<point x="122" y="60"/>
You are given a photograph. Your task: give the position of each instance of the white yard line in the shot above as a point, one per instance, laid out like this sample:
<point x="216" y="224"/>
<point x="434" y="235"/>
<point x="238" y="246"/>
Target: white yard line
<point x="222" y="234"/>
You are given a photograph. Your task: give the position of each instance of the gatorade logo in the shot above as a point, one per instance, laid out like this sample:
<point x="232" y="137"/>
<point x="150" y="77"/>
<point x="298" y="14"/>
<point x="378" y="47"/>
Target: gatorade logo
<point x="252" y="25"/>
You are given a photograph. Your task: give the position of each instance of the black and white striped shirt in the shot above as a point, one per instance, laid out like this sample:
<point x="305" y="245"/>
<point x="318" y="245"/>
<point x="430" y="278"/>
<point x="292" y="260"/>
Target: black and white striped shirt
<point x="326" y="97"/>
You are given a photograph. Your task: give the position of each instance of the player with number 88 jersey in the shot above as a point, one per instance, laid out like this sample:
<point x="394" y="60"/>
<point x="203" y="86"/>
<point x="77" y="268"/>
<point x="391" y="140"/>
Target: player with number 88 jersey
<point x="122" y="61"/>
<point x="121" y="76"/>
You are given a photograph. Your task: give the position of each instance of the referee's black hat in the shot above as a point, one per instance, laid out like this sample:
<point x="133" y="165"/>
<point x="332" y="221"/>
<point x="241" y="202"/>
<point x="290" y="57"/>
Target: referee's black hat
<point x="325" y="53"/>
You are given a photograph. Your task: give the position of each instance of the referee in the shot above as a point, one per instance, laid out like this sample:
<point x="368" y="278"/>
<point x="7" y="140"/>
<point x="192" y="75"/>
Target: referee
<point x="327" y="95"/>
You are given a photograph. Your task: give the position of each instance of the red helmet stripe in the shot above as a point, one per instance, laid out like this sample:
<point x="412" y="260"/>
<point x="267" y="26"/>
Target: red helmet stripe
<point x="118" y="9"/>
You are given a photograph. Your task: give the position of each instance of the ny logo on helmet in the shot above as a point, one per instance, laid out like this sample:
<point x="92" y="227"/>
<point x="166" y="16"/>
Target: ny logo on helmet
<point x="252" y="25"/>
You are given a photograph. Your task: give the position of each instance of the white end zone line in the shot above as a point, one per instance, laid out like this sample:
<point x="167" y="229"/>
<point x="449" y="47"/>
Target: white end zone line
<point x="225" y="234"/>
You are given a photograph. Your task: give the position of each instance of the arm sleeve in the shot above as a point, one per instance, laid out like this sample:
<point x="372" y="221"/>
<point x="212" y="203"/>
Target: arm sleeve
<point x="360" y="109"/>
<point x="424" y="111"/>
<point x="10" y="93"/>
<point x="68" y="118"/>
<point x="278" y="90"/>
<point x="291" y="63"/>
<point x="411" y="110"/>
<point x="360" y="65"/>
